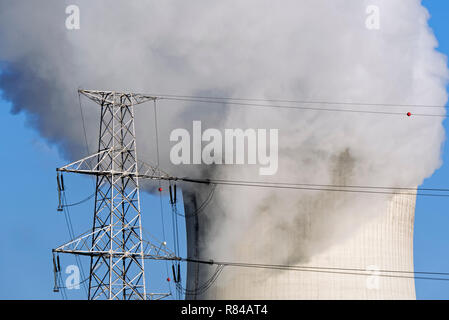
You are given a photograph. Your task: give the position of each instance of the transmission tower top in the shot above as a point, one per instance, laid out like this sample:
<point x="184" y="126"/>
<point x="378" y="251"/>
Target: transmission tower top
<point x="115" y="244"/>
<point x="119" y="98"/>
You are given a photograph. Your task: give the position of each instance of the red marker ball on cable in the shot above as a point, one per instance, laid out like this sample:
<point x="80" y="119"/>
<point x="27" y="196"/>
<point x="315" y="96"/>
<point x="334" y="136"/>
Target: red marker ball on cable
<point x="160" y="189"/>
<point x="409" y="114"/>
<point x="168" y="279"/>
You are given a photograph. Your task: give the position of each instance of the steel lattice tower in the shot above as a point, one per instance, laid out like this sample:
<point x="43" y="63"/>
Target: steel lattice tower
<point x="115" y="245"/>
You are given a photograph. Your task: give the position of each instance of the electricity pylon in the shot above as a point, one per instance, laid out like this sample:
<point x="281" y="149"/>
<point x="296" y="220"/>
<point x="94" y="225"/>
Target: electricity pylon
<point x="115" y="245"/>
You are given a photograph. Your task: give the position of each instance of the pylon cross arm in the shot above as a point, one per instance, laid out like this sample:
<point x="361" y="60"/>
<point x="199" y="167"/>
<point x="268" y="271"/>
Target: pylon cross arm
<point x="87" y="244"/>
<point x="100" y="164"/>
<point x="111" y="97"/>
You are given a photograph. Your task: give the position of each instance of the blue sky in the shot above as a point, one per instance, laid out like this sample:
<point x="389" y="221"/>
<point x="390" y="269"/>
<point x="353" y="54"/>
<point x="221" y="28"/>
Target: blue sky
<point x="431" y="238"/>
<point x="32" y="226"/>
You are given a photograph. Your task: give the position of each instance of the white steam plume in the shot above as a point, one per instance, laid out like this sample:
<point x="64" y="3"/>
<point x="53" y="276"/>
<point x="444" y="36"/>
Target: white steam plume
<point x="308" y="50"/>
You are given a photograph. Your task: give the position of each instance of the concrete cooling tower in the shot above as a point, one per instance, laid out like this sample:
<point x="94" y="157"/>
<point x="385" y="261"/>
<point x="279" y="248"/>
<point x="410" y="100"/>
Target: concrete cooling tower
<point x="383" y="242"/>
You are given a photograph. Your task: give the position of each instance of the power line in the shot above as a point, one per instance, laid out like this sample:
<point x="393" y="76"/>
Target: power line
<point x="332" y="185"/>
<point x="84" y="125"/>
<point x="395" y="105"/>
<point x="204" y="286"/>
<point x="328" y="189"/>
<point x="160" y="186"/>
<point x="201" y="207"/>
<point x="72" y="234"/>
<point x="73" y="286"/>
<point x="332" y="270"/>
<point x="278" y="106"/>
<point x="79" y="202"/>
<point x="311" y="187"/>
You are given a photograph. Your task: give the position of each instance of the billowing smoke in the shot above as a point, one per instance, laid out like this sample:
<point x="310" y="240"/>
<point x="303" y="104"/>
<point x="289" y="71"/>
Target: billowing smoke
<point x="307" y="50"/>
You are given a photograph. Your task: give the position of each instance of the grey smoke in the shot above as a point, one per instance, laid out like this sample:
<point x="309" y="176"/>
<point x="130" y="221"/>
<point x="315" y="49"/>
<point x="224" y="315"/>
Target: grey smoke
<point x="307" y="50"/>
